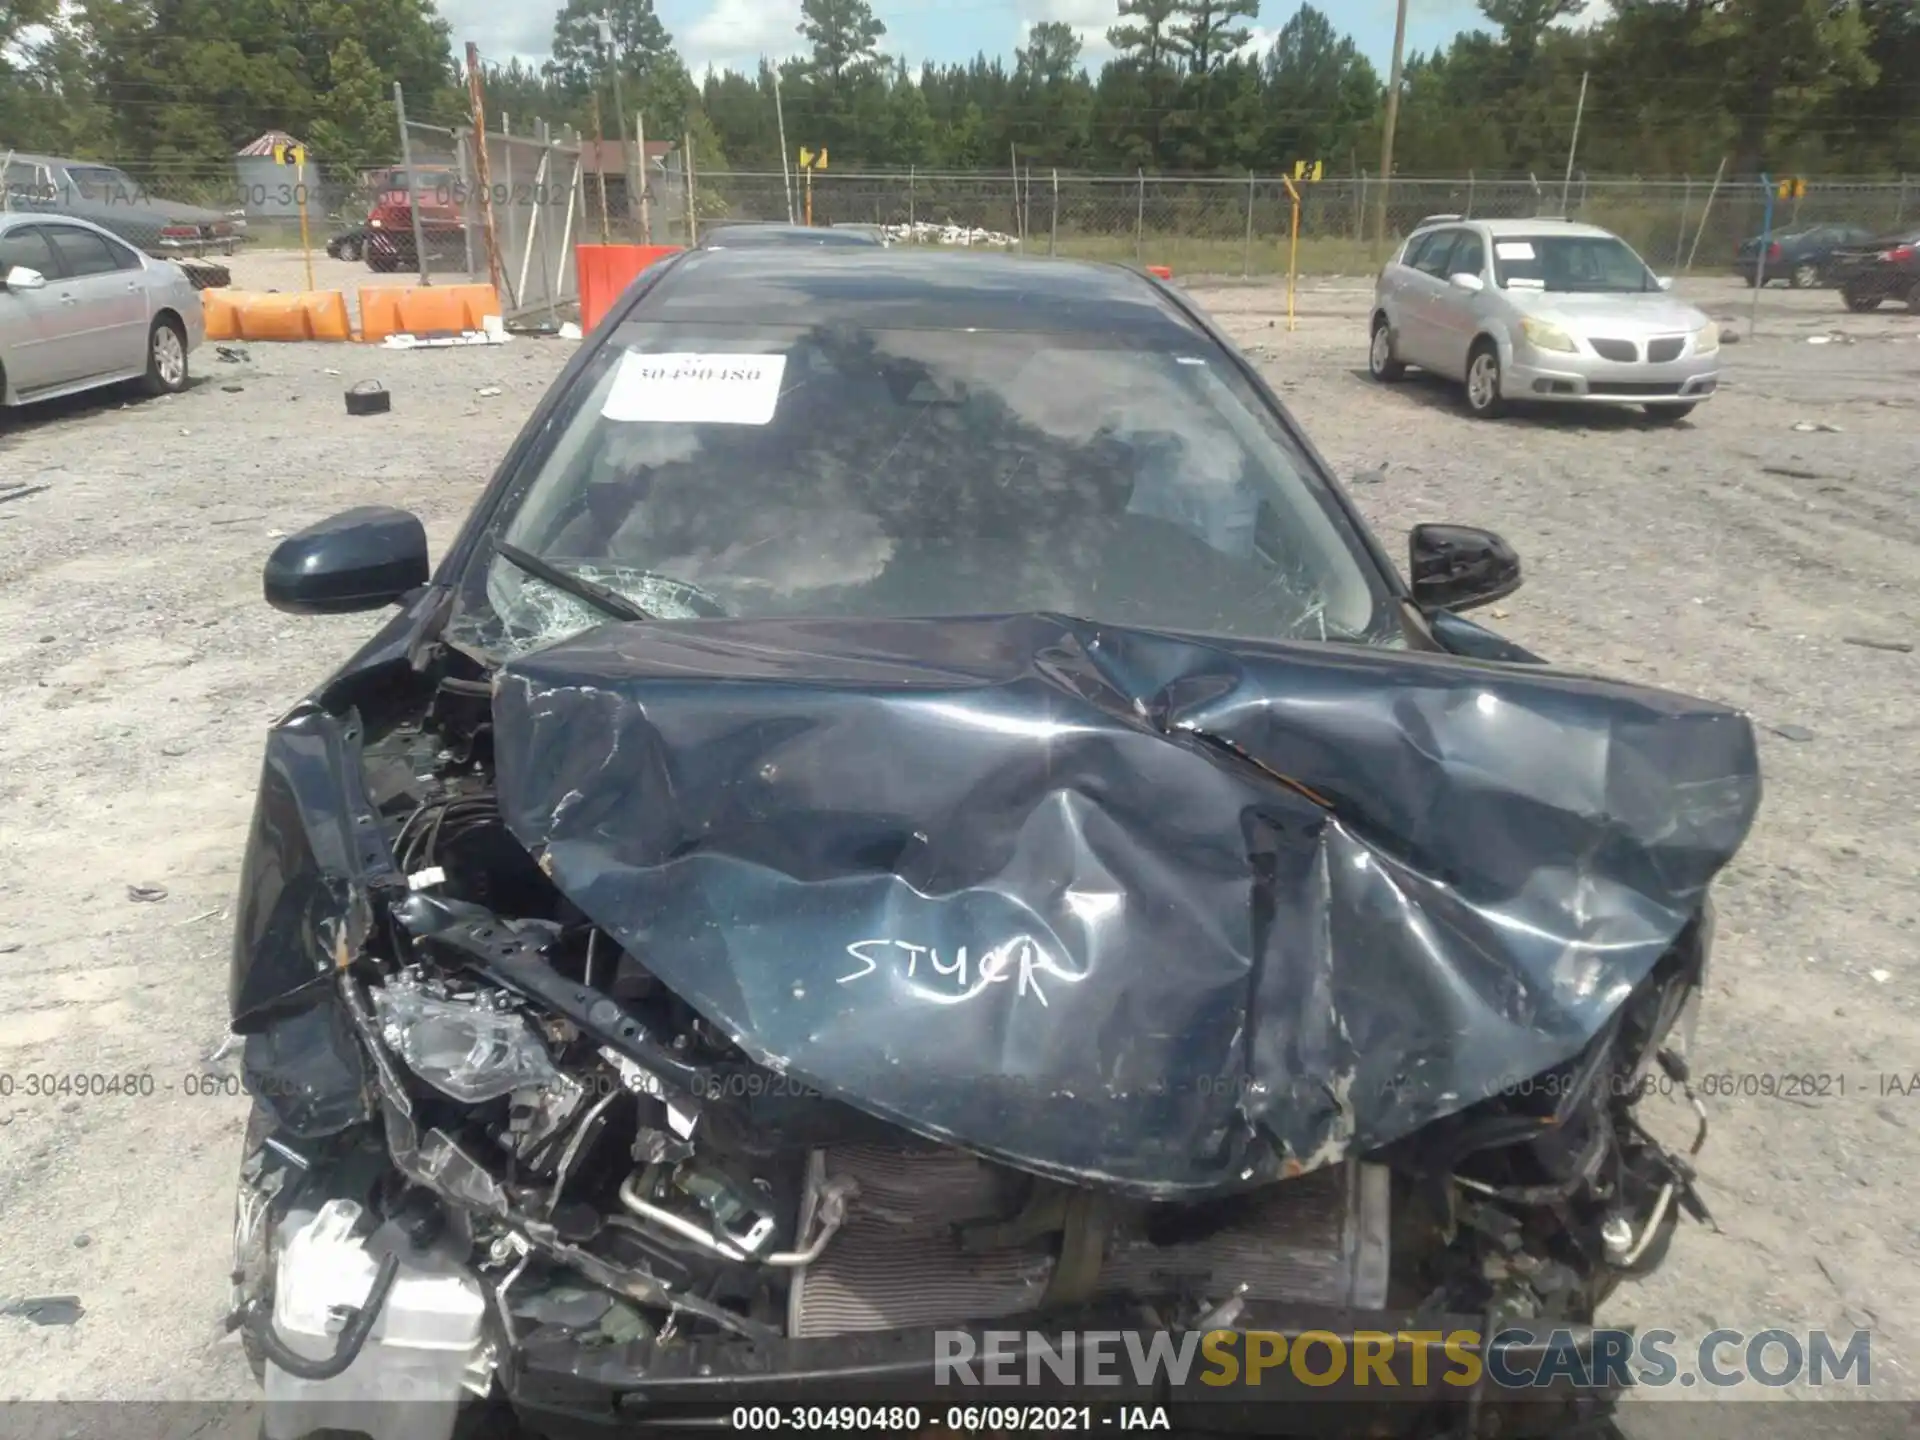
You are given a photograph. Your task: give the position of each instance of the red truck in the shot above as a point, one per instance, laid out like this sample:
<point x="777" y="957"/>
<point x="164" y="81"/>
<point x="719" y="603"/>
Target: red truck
<point x="389" y="243"/>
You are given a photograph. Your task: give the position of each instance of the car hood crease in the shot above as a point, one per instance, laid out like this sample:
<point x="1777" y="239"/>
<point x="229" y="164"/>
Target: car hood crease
<point x="1119" y="906"/>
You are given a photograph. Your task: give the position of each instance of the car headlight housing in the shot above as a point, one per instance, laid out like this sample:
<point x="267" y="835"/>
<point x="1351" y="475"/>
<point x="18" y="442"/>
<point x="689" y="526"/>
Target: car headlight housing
<point x="1706" y="340"/>
<point x="1543" y="335"/>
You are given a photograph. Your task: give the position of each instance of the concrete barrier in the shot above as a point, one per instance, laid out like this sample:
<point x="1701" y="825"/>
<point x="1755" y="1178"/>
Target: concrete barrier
<point x="256" y="316"/>
<point x="606" y="271"/>
<point x="423" y="309"/>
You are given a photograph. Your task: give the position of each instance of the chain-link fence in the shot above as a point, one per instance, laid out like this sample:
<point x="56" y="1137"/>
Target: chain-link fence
<point x="546" y="193"/>
<point x="1227" y="226"/>
<point x="522" y="203"/>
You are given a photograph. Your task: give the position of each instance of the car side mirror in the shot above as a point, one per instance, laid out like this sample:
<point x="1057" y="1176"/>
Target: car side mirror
<point x="1468" y="282"/>
<point x="20" y="277"/>
<point x="1457" y="567"/>
<point x="362" y="559"/>
<point x="1665" y="282"/>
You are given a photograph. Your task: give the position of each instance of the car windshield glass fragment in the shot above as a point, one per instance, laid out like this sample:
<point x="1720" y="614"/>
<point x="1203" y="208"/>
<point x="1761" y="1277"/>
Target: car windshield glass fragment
<point x="1570" y="264"/>
<point x="713" y="470"/>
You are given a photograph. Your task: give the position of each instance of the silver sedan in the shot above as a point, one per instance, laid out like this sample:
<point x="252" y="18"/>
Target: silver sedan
<point x="1540" y="310"/>
<point x="80" y="308"/>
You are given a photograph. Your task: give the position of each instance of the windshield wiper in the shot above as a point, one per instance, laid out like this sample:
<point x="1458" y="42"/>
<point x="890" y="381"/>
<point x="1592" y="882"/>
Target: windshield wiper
<point x="600" y="597"/>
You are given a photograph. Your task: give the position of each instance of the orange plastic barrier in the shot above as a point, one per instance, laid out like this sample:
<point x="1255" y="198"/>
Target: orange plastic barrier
<point x="1165" y="272"/>
<point x="254" y="316"/>
<point x="418" y="309"/>
<point x="605" y="272"/>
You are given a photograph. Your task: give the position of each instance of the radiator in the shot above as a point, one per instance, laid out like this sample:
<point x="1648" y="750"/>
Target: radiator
<point x="898" y="1263"/>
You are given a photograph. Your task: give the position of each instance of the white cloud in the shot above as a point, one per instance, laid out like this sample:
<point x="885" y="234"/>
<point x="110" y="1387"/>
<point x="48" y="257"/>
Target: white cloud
<point x="735" y="34"/>
<point x="1090" y="19"/>
<point x="502" y="32"/>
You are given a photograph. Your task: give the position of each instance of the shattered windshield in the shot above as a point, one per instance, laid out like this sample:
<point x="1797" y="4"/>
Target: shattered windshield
<point x="718" y="470"/>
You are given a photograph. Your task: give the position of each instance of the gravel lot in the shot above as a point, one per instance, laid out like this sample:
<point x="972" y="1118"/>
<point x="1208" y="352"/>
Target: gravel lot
<point x="1733" y="556"/>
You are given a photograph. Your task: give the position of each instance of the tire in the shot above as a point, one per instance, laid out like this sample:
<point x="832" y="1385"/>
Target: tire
<point x="1913" y="299"/>
<point x="1668" y="414"/>
<point x="1861" y="302"/>
<point x="1380" y="360"/>
<point x="350" y="251"/>
<point x="1484" y="379"/>
<point x="1806" y="276"/>
<point x="1751" y="278"/>
<point x="166" y="359"/>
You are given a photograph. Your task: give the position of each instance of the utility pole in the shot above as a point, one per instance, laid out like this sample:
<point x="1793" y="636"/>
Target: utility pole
<point x="1579" y="111"/>
<point x="620" y="109"/>
<point x="1392" y="119"/>
<point x="780" y="120"/>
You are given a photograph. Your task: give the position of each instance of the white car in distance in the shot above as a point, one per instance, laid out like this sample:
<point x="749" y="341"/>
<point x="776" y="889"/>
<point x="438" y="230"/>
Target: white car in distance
<point x="1541" y="311"/>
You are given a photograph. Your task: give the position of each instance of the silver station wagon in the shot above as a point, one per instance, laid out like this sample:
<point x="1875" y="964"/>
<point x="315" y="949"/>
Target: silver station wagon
<point x="1540" y="310"/>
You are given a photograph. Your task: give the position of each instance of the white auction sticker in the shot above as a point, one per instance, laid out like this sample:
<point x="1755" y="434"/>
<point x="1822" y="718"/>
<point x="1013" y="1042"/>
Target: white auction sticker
<point x="1513" y="250"/>
<point x="684" y="388"/>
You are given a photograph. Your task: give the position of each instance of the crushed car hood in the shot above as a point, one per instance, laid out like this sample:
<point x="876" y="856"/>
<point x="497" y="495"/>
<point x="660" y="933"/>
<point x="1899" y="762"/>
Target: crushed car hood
<point x="1158" y="913"/>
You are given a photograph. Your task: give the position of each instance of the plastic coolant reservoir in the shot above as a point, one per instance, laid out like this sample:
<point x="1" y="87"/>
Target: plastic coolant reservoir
<point x="408" y="1381"/>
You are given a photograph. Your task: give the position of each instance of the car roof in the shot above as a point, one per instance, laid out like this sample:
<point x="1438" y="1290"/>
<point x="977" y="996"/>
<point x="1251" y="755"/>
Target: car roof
<point x="910" y="288"/>
<point x="21" y="157"/>
<point x="1539" y="226"/>
<point x="20" y="219"/>
<point x="777" y="232"/>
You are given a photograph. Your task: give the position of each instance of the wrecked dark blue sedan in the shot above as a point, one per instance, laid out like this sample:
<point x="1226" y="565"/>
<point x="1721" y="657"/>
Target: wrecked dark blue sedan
<point x="916" y="806"/>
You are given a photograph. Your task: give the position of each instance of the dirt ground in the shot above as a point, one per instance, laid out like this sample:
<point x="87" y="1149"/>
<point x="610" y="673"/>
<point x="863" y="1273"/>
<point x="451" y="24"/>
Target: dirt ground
<point x="1734" y="556"/>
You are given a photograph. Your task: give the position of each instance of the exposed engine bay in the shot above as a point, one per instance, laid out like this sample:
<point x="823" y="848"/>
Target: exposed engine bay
<point x="509" y="1090"/>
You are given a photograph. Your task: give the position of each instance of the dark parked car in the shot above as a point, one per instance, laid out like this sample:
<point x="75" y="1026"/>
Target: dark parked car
<point x="349" y="245"/>
<point x="113" y="200"/>
<point x="755" y="234"/>
<point x="1802" y="259"/>
<point x="916" y="803"/>
<point x="1884" y="269"/>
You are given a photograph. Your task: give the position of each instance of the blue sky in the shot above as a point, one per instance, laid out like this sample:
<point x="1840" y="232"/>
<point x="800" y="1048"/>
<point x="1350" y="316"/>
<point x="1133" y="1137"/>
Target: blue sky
<point x="738" y="32"/>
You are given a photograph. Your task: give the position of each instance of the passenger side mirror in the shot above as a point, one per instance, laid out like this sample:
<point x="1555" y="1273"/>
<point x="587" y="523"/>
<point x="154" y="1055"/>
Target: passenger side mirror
<point x="1457" y="567"/>
<point x="22" y="278"/>
<point x="1665" y="282"/>
<point x="1470" y="283"/>
<point x="360" y="559"/>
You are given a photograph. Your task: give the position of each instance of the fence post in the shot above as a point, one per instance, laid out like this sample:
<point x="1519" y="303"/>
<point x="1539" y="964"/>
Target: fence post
<point x="645" y="172"/>
<point x="693" y="211"/>
<point x="1686" y="204"/>
<point x="533" y="216"/>
<point x="1140" y="215"/>
<point x="1360" y="209"/>
<point x="912" y="234"/>
<point x="506" y="181"/>
<point x="462" y="142"/>
<point x="1471" y="181"/>
<point x="547" y="276"/>
<point x="1900" y="204"/>
<point x="413" y="182"/>
<point x="1246" y="246"/>
<point x="1053" y="225"/>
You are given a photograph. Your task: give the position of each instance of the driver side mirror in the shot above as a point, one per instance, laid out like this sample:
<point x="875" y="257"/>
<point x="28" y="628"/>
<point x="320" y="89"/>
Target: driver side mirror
<point x="362" y="559"/>
<point x="20" y="277"/>
<point x="1457" y="567"/>
<point x="1665" y="282"/>
<point x="1468" y="282"/>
